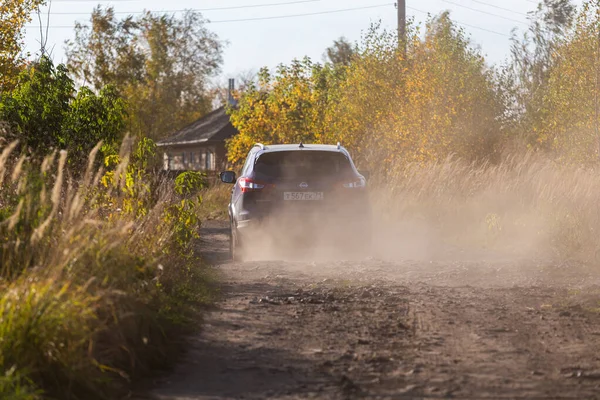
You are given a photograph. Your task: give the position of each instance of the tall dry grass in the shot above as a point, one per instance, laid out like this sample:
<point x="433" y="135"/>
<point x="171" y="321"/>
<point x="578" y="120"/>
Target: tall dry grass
<point x="526" y="206"/>
<point x="91" y="295"/>
<point x="215" y="199"/>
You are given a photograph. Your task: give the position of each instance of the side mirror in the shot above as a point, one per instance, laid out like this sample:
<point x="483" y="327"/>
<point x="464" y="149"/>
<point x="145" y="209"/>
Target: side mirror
<point x="227" y="177"/>
<point x="366" y="174"/>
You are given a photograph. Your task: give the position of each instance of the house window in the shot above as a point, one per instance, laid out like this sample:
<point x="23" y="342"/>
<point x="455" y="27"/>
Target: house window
<point x="210" y="160"/>
<point x="170" y="162"/>
<point x="183" y="158"/>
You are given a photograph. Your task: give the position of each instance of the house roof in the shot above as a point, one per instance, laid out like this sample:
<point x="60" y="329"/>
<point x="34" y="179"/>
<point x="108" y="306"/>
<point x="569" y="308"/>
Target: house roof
<point x="213" y="127"/>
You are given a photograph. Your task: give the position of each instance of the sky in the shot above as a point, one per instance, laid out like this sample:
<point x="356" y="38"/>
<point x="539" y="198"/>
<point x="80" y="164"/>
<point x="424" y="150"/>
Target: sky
<point x="270" y="32"/>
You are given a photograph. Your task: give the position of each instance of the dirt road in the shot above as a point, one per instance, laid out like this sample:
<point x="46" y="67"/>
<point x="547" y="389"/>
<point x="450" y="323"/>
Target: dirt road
<point x="394" y="329"/>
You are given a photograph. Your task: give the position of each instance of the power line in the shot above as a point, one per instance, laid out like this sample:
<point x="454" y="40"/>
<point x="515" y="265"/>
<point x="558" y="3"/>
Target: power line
<point x="484" y="29"/>
<point x="198" y="9"/>
<point x="260" y="18"/>
<point x="500" y="8"/>
<point x="308" y="14"/>
<point x="305" y="14"/>
<point x="464" y="24"/>
<point x="484" y="12"/>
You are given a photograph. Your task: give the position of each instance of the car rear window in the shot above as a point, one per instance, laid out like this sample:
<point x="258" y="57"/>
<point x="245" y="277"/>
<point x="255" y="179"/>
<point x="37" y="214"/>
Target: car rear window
<point x="291" y="164"/>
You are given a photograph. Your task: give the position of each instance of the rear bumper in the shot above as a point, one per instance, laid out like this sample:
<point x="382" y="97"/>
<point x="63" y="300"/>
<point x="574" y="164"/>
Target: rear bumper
<point x="306" y="223"/>
<point x="337" y="214"/>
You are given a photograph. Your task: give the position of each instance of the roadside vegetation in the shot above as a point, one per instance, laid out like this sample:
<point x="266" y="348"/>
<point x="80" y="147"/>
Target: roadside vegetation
<point x="99" y="274"/>
<point x="214" y="201"/>
<point x="99" y="271"/>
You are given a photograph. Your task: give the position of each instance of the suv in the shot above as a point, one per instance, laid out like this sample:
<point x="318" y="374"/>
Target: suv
<point x="307" y="192"/>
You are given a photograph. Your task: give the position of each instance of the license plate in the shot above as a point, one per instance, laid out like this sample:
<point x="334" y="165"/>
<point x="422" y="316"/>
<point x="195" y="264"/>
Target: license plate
<point x="310" y="196"/>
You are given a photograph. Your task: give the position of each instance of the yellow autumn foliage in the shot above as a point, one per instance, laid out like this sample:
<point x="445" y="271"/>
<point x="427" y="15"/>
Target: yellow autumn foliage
<point x="386" y="107"/>
<point x="572" y="105"/>
<point x="14" y="14"/>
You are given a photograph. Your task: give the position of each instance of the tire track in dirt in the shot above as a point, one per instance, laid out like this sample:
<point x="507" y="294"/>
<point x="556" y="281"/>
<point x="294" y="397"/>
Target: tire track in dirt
<point x="380" y="329"/>
<point x="504" y="344"/>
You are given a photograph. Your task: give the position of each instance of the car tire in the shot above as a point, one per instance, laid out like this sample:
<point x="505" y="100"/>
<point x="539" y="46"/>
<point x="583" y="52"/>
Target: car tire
<point x="235" y="247"/>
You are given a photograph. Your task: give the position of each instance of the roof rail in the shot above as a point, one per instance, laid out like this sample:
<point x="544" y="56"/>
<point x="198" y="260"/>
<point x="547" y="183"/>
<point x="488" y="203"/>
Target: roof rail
<point x="262" y="146"/>
<point x="339" y="146"/>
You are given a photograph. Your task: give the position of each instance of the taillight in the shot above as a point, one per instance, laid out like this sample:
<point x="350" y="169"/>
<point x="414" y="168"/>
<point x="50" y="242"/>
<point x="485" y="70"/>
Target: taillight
<point x="248" y="185"/>
<point x="360" y="182"/>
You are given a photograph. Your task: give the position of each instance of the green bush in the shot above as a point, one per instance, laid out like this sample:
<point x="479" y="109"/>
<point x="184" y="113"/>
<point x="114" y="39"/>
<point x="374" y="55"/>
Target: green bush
<point x="46" y="112"/>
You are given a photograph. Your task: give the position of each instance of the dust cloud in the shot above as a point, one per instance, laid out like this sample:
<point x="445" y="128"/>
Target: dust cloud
<point x="523" y="223"/>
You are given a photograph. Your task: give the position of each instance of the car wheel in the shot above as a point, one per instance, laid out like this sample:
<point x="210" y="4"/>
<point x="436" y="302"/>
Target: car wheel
<point x="235" y="248"/>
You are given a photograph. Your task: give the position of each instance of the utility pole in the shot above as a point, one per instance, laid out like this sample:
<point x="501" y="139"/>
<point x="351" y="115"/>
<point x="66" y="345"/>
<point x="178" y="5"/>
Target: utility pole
<point x="401" y="6"/>
<point x="596" y="101"/>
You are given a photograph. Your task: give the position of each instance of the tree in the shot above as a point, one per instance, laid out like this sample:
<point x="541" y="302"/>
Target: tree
<point x="289" y="106"/>
<point x="160" y="64"/>
<point x="341" y="52"/>
<point x="14" y="14"/>
<point x="45" y="112"/>
<point x="571" y="114"/>
<point x="437" y="100"/>
<point x="525" y="78"/>
<point x="389" y="108"/>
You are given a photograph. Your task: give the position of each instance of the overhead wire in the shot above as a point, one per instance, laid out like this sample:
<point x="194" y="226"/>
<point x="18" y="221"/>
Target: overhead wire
<point x="462" y="23"/>
<point x="499" y="8"/>
<point x="201" y="9"/>
<point x="265" y="18"/>
<point x="300" y="15"/>
<point x="485" y="12"/>
<point x="305" y="14"/>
